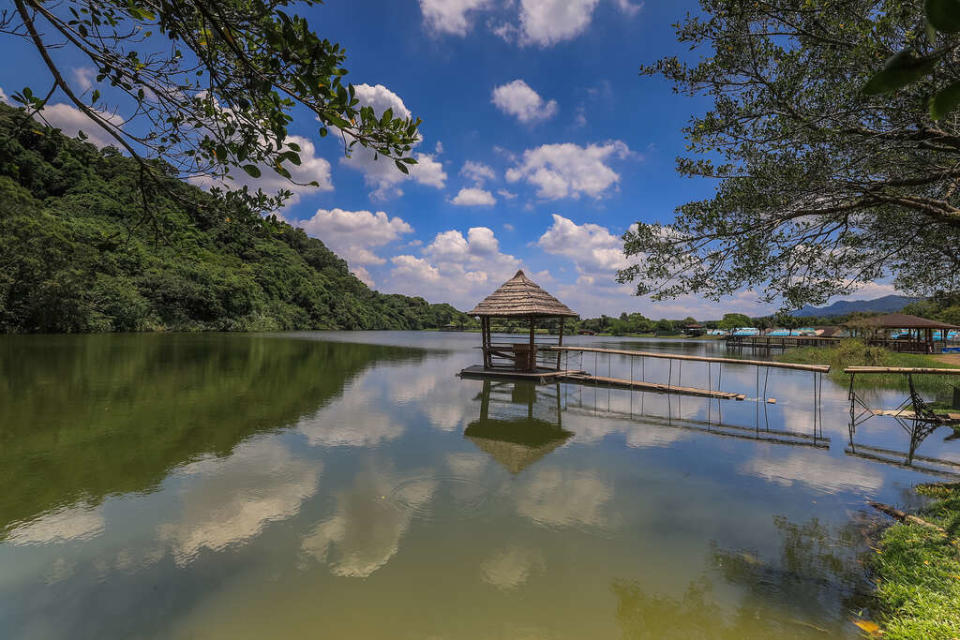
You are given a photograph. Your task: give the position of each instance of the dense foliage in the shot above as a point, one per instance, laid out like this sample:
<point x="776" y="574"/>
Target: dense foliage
<point x="203" y="86"/>
<point x="942" y="306"/>
<point x="821" y="186"/>
<point x="75" y="255"/>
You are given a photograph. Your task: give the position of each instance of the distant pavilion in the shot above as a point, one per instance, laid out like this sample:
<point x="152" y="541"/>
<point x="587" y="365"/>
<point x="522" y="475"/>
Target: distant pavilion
<point x="877" y="330"/>
<point x="519" y="298"/>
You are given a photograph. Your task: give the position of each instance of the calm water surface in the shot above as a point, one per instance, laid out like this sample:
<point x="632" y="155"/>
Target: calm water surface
<point x="350" y="485"/>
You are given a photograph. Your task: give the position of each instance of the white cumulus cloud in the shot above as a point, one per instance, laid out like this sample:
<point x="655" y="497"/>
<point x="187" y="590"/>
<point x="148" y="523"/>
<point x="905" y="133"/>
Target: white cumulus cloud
<point x="312" y="168"/>
<point x="473" y="197"/>
<point x="450" y="16"/>
<point x="354" y="234"/>
<point x="547" y="22"/>
<point x="84" y="77"/>
<point x="71" y="121"/>
<point x="519" y="100"/>
<point x="568" y="170"/>
<point x="591" y="246"/>
<point x="478" y="172"/>
<point x="454" y="268"/>
<point x="380" y="173"/>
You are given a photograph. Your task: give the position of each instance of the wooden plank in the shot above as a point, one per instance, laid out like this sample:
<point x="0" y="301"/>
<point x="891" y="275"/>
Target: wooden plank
<point x="647" y="386"/>
<point x="904" y="370"/>
<point x="819" y="368"/>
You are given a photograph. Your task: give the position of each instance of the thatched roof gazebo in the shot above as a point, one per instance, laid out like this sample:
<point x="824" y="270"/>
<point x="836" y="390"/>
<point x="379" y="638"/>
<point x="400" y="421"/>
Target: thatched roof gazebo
<point x="518" y="298"/>
<point x="920" y="331"/>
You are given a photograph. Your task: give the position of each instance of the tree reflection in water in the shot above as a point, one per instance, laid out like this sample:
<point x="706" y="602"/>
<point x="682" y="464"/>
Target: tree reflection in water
<point x="83" y="417"/>
<point x="811" y="590"/>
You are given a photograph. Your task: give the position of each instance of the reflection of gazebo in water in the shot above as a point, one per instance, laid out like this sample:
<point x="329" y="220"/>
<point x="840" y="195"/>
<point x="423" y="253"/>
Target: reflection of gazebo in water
<point x="918" y="337"/>
<point x="519" y="298"/>
<point x="512" y="433"/>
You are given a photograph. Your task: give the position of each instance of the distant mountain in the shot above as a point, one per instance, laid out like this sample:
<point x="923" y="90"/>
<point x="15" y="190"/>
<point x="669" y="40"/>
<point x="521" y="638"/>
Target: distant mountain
<point x="886" y="304"/>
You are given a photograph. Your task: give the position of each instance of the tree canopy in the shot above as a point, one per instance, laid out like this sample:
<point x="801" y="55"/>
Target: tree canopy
<point x="821" y="185"/>
<point x="202" y="87"/>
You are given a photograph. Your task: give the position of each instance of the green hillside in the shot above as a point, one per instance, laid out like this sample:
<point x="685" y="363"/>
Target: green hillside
<point x="77" y="254"/>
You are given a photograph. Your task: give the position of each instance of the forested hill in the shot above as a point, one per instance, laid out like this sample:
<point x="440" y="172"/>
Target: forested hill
<point x="78" y="255"/>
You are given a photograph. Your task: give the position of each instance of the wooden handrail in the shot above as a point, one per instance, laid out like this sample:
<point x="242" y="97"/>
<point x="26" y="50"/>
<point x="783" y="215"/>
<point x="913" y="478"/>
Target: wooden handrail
<point x="918" y="370"/>
<point x="818" y="368"/>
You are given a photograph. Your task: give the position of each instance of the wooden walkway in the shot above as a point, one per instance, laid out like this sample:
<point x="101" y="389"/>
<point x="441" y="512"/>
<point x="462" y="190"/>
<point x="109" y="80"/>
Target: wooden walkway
<point x="780" y="342"/>
<point x="576" y="376"/>
<point x="911" y="370"/>
<point x="619" y="383"/>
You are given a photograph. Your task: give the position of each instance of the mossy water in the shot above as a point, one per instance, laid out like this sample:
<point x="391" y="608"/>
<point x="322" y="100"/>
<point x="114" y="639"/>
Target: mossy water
<point x="321" y="485"/>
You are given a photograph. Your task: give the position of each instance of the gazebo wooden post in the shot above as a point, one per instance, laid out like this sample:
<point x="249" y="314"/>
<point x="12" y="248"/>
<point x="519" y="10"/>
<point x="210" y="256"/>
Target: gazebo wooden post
<point x="485" y="339"/>
<point x="532" y="356"/>
<point x="560" y="342"/>
<point x="485" y="400"/>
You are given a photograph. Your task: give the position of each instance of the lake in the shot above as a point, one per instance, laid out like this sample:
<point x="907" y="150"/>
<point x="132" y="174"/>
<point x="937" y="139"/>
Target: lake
<point x="351" y="485"/>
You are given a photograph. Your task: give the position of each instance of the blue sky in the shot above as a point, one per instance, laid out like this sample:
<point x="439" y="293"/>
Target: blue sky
<point x="541" y="146"/>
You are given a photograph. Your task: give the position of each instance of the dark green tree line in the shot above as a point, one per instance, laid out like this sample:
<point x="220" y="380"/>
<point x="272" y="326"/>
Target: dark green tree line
<point x="75" y="255"/>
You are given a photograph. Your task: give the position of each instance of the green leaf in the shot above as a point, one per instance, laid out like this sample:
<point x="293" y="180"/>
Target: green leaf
<point x="252" y="170"/>
<point x="401" y="166"/>
<point x="944" y="15"/>
<point x="945" y="101"/>
<point x="900" y="70"/>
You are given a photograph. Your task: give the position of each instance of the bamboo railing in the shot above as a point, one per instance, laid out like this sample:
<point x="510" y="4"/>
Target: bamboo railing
<point x="817" y="368"/>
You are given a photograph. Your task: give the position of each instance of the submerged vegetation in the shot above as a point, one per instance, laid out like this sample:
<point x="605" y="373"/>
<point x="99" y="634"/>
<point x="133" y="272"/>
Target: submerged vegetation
<point x="854" y="353"/>
<point x="76" y="256"/>
<point x="918" y="571"/>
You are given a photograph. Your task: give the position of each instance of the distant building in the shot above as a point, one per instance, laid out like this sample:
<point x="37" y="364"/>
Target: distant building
<point x="694" y="329"/>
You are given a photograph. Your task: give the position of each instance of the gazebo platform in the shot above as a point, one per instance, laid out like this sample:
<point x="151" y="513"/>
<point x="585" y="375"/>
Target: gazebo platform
<point x="539" y="375"/>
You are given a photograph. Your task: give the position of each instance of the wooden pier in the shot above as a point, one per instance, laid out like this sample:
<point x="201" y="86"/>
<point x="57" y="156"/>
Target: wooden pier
<point x="769" y="343"/>
<point x="577" y="376"/>
<point x="636" y="385"/>
<point x="543" y="375"/>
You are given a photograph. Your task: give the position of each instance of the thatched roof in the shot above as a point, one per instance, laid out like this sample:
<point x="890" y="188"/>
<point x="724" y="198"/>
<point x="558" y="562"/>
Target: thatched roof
<point x="521" y="296"/>
<point x="900" y="321"/>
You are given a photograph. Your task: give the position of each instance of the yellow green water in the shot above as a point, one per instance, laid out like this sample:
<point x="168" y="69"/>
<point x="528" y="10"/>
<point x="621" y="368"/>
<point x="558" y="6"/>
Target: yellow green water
<point x="350" y="485"/>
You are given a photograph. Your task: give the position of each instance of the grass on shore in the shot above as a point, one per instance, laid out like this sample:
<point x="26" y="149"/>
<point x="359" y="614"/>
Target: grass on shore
<point x="918" y="572"/>
<point x="853" y="352"/>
